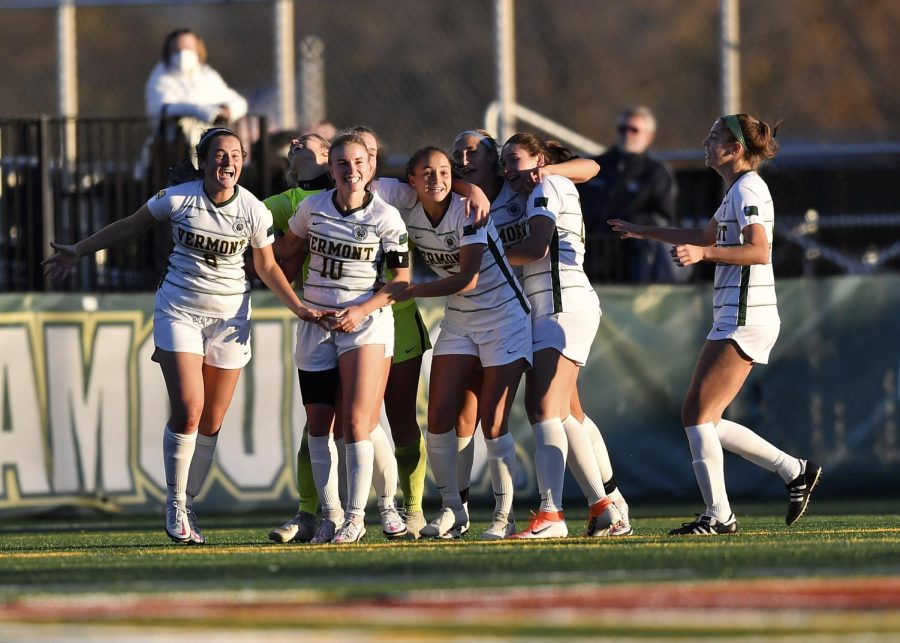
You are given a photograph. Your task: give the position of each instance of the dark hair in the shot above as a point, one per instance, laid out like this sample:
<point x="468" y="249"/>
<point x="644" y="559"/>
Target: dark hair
<point x="761" y="145"/>
<point x="208" y="136"/>
<point x="173" y="35"/>
<point x="552" y="151"/>
<point x="421" y="154"/>
<point x="184" y="170"/>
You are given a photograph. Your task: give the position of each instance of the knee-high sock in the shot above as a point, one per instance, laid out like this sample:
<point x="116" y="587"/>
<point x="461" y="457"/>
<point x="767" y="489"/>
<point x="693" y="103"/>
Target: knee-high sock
<point x="709" y="467"/>
<point x="600" y="451"/>
<point x="204" y="450"/>
<point x="178" y="451"/>
<point x="582" y="461"/>
<point x="340" y="445"/>
<point x="411" y="465"/>
<point x="550" y="451"/>
<point x="465" y="449"/>
<point x="384" y="473"/>
<point x="502" y="464"/>
<point x="750" y="446"/>
<point x="360" y="462"/>
<point x="323" y="459"/>
<point x="306" y="484"/>
<point x="442" y="456"/>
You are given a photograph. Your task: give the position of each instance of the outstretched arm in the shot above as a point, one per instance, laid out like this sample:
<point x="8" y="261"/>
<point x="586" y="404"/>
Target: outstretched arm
<point x="67" y="256"/>
<point x="703" y="237"/>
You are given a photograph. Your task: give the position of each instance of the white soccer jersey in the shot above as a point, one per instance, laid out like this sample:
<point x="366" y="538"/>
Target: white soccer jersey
<point x="346" y="249"/>
<point x="508" y="216"/>
<point x="557" y="282"/>
<point x="745" y="295"/>
<point x="395" y="192"/>
<point x="205" y="273"/>
<point x="497" y="298"/>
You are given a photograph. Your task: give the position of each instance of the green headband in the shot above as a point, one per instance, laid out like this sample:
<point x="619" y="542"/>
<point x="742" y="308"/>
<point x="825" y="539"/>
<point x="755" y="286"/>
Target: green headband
<point x="734" y="125"/>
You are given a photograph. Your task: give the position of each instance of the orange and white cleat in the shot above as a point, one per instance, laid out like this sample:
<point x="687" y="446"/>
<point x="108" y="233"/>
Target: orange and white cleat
<point x="605" y="520"/>
<point x="546" y="524"/>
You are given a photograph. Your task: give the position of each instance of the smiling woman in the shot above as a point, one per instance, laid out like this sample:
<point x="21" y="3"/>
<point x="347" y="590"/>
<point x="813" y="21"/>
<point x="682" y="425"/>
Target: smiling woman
<point x="349" y="234"/>
<point x="201" y="322"/>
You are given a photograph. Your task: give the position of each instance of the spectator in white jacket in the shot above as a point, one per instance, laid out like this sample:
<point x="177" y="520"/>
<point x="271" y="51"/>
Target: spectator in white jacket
<point x="182" y="87"/>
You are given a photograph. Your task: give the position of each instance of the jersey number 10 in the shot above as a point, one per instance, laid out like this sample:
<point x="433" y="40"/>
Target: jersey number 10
<point x="331" y="268"/>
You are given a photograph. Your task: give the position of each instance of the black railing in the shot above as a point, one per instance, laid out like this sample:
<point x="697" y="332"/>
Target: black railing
<point x="64" y="178"/>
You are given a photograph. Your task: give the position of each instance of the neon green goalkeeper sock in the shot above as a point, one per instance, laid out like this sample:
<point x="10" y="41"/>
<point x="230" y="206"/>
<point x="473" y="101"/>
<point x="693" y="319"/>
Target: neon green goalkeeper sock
<point x="306" y="485"/>
<point x="411" y="462"/>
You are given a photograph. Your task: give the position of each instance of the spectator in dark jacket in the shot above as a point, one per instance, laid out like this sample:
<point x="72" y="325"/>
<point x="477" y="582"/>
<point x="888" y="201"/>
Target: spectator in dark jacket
<point x="635" y="187"/>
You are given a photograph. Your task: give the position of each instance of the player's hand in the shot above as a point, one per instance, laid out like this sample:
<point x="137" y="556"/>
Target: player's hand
<point x="62" y="263"/>
<point x="347" y="319"/>
<point x="478" y="207"/>
<point x="687" y="255"/>
<point x="536" y="175"/>
<point x="404" y="292"/>
<point x="626" y="230"/>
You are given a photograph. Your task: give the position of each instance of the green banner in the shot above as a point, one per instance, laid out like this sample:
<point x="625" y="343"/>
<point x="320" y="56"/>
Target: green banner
<point x="83" y="406"/>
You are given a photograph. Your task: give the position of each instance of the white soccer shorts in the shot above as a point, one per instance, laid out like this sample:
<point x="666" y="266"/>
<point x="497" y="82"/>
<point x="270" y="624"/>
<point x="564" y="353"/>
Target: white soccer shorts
<point x="493" y="347"/>
<point x="570" y="334"/>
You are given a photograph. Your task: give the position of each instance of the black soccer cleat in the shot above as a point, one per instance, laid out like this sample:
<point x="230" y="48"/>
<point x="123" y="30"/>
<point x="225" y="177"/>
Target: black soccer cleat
<point x="706" y="526"/>
<point x="801" y="489"/>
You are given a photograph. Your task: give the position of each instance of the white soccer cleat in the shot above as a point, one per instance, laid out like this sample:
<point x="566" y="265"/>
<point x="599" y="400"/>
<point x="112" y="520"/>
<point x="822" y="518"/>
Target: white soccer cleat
<point x="392" y="524"/>
<point x="605" y="520"/>
<point x="622" y="506"/>
<point x="352" y="531"/>
<point x="178" y="527"/>
<point x="446" y="524"/>
<point x="464" y="527"/>
<point x="415" y="521"/>
<point x="197" y="537"/>
<point x="503" y="525"/>
<point x="324" y="532"/>
<point x="301" y="528"/>
<point x="546" y="524"/>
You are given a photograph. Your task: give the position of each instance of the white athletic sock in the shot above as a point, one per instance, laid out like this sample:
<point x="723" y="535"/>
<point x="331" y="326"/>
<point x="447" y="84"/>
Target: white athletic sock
<point x="323" y="459"/>
<point x="204" y="450"/>
<point x="465" y="450"/>
<point x="360" y="462"/>
<point x="582" y="461"/>
<point x="442" y="456"/>
<point x="600" y="451"/>
<point x="178" y="451"/>
<point x="501" y="453"/>
<point x="750" y="446"/>
<point x="550" y="451"/>
<point x="341" y="448"/>
<point x="709" y="467"/>
<point x="385" y="477"/>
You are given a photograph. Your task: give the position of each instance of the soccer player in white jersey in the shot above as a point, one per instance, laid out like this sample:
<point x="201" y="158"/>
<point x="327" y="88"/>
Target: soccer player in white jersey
<point x="351" y="234"/>
<point x="476" y="158"/>
<point x="738" y="238"/>
<point x="485" y="328"/>
<point x="565" y="316"/>
<point x="401" y="377"/>
<point x="201" y="323"/>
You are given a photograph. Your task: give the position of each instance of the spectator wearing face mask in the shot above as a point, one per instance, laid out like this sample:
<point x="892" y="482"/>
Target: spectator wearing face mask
<point x="184" y="89"/>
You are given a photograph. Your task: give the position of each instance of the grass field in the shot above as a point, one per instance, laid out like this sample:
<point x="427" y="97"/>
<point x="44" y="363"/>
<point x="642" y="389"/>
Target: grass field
<point x="834" y="575"/>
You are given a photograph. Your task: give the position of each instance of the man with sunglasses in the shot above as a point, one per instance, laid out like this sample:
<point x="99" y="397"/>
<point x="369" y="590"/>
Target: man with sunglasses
<point x="635" y="187"/>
